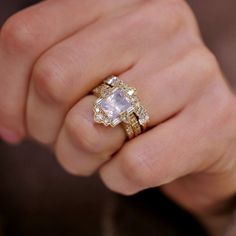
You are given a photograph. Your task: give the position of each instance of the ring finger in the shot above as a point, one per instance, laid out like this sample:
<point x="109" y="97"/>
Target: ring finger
<point x="83" y="146"/>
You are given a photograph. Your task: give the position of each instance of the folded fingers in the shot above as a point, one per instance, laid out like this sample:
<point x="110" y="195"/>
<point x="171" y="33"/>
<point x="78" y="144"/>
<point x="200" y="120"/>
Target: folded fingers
<point x="68" y="71"/>
<point x="25" y="37"/>
<point x="163" y="95"/>
<point x="65" y="74"/>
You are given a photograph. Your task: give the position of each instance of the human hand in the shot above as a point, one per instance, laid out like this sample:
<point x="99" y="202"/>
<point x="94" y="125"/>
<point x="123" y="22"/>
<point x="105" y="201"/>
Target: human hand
<point x="54" y="53"/>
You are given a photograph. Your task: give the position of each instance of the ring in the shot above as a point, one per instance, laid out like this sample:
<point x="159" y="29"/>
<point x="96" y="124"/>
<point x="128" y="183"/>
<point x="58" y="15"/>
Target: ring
<point x="117" y="103"/>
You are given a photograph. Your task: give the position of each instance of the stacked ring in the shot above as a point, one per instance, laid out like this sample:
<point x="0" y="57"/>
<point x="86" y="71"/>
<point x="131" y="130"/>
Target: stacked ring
<point x="118" y="103"/>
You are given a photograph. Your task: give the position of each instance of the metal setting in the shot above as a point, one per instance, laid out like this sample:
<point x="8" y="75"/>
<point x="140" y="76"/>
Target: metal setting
<point x="118" y="103"/>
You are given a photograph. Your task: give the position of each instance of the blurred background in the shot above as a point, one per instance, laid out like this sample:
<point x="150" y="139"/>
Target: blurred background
<point x="38" y="198"/>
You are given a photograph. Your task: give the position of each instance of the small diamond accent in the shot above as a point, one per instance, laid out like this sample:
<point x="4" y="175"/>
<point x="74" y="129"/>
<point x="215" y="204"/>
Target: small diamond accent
<point x="142" y="115"/>
<point x="112" y="80"/>
<point x="106" y="121"/>
<point x="104" y="92"/>
<point x="131" y="91"/>
<point x="99" y="117"/>
<point x="143" y="120"/>
<point x="124" y="117"/>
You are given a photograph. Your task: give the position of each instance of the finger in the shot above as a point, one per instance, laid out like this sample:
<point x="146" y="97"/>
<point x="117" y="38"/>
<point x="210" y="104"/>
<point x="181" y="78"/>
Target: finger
<point x="166" y="89"/>
<point x="69" y="71"/>
<point x="23" y="38"/>
<point x="184" y="144"/>
<point x="74" y="67"/>
<point x="164" y="105"/>
<point x="82" y="145"/>
<point x="153" y="159"/>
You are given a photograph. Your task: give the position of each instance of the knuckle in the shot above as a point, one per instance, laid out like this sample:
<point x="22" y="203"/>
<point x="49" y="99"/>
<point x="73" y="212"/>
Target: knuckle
<point x="171" y="16"/>
<point x="174" y="8"/>
<point x="135" y="167"/>
<point x="49" y="81"/>
<point x="72" y="167"/>
<point x="206" y="62"/>
<point x="81" y="130"/>
<point x="223" y="102"/>
<point x="18" y="34"/>
<point x="178" y="16"/>
<point x="222" y="126"/>
<point x="115" y="185"/>
<point x="209" y="59"/>
<point x="124" y="190"/>
<point x="219" y="97"/>
<point x="11" y="116"/>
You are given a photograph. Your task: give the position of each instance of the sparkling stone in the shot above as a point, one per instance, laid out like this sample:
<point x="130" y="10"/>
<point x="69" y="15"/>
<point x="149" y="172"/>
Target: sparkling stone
<point x="142" y="115"/>
<point x="135" y="100"/>
<point x="141" y="111"/>
<point x="143" y="120"/>
<point x="106" y="121"/>
<point x="98" y="117"/>
<point x="115" y="104"/>
<point x="105" y="92"/>
<point x="124" y="118"/>
<point x="131" y="92"/>
<point x="112" y="80"/>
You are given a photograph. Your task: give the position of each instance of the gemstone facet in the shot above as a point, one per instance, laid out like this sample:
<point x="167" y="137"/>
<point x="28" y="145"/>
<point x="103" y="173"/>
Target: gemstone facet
<point x="115" y="104"/>
<point x="118" y="103"/>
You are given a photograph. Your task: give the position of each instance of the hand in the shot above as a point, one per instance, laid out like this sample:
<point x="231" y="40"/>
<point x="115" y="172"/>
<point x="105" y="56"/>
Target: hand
<point x="54" y="53"/>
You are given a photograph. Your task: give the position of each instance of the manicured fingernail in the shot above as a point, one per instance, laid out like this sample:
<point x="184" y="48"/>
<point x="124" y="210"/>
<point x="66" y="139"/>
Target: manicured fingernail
<point x="9" y="136"/>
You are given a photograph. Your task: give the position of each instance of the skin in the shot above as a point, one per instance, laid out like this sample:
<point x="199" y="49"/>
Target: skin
<point x="54" y="53"/>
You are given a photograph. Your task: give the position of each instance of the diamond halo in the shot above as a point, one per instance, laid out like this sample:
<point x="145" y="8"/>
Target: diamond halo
<point x="116" y="102"/>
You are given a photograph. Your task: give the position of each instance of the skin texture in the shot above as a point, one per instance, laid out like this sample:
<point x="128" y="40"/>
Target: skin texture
<point x="54" y="53"/>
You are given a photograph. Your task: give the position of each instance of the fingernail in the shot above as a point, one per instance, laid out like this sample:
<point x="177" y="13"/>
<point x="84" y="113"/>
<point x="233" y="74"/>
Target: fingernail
<point x="9" y="136"/>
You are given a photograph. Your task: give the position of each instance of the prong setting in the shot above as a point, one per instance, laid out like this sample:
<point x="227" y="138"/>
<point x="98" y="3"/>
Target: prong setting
<point x="116" y="102"/>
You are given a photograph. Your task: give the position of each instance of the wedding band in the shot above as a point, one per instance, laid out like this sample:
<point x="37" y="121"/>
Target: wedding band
<point x="118" y="103"/>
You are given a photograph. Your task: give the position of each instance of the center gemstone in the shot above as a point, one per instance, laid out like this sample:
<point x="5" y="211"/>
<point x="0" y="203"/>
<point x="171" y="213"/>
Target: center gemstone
<point x="115" y="104"/>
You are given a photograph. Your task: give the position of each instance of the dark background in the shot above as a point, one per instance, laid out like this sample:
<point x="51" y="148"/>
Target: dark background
<point x="38" y="198"/>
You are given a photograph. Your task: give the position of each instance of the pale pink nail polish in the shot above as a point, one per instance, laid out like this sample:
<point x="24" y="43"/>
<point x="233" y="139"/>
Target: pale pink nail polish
<point x="9" y="136"/>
